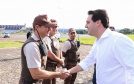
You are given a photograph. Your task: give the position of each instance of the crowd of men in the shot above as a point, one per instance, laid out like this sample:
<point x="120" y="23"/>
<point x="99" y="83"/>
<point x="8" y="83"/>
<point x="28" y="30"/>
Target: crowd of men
<point x="112" y="53"/>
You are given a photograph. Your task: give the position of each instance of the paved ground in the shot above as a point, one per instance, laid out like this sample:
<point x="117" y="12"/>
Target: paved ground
<point x="10" y="65"/>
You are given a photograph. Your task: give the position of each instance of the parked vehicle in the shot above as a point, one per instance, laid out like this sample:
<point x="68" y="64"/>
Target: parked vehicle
<point x="57" y="35"/>
<point x="6" y="35"/>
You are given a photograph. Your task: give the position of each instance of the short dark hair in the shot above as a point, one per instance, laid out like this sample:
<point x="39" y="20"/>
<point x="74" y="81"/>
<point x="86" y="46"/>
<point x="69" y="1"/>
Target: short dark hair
<point x="31" y="29"/>
<point x="100" y="14"/>
<point x="112" y="27"/>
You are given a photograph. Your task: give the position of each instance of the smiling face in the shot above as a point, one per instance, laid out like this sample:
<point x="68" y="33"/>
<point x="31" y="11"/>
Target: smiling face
<point x="91" y="26"/>
<point x="53" y="31"/>
<point x="43" y="31"/>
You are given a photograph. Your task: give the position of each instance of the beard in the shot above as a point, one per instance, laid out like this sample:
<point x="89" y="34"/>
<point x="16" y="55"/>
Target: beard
<point x="72" y="38"/>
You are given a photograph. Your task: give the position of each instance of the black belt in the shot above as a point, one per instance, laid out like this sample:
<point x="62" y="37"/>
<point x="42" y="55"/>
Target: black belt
<point x="27" y="82"/>
<point x="51" y="62"/>
<point x="51" y="65"/>
<point x="72" y="61"/>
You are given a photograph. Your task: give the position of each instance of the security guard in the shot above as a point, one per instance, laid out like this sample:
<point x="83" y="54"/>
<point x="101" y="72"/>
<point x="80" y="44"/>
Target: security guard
<point x="53" y="44"/>
<point x="33" y="60"/>
<point x="70" y="52"/>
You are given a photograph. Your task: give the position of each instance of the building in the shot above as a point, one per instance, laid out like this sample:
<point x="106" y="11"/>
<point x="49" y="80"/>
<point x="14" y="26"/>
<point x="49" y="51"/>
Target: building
<point x="11" y="28"/>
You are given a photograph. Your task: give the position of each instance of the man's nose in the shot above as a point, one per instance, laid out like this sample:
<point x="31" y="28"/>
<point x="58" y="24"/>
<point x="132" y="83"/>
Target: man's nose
<point x="73" y="34"/>
<point x="86" y="26"/>
<point x="49" y="29"/>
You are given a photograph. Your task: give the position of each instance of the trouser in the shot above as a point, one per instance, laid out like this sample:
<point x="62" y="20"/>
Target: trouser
<point x="22" y="81"/>
<point x="50" y="67"/>
<point x="70" y="79"/>
<point x="94" y="75"/>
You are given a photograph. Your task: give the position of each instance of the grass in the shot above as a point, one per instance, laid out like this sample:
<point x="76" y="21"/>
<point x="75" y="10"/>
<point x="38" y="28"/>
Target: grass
<point x="90" y="40"/>
<point x="131" y="36"/>
<point x="9" y="44"/>
<point x="83" y="40"/>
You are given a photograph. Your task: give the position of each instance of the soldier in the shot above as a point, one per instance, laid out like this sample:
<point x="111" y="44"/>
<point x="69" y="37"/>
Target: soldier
<point x="33" y="54"/>
<point x="53" y="44"/>
<point x="70" y="52"/>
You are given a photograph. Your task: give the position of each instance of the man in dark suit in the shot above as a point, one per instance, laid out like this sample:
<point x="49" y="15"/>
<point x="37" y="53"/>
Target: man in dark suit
<point x="29" y="33"/>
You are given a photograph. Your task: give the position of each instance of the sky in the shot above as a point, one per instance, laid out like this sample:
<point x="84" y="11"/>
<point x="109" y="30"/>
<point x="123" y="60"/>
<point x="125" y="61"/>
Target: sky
<point x="68" y="13"/>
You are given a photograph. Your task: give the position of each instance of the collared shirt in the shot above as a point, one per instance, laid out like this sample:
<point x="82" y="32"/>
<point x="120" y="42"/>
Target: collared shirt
<point x="32" y="53"/>
<point x="48" y="42"/>
<point x="114" y="55"/>
<point x="66" y="46"/>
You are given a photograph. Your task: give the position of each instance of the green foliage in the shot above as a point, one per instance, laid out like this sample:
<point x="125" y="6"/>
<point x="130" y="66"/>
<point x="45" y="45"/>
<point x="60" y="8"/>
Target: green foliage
<point x="9" y="44"/>
<point x="82" y="31"/>
<point x="126" y="31"/>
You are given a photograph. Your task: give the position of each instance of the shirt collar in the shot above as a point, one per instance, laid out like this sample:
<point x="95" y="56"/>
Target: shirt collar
<point x="106" y="33"/>
<point x="34" y="37"/>
<point x="74" y="39"/>
<point x="52" y="37"/>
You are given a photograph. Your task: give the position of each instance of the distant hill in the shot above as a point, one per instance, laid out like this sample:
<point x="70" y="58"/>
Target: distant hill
<point x="61" y="30"/>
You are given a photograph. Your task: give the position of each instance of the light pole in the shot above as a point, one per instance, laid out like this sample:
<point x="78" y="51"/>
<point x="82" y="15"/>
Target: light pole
<point x="59" y="8"/>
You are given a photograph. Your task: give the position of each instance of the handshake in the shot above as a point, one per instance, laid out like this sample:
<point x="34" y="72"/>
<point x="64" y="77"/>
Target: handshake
<point x="64" y="73"/>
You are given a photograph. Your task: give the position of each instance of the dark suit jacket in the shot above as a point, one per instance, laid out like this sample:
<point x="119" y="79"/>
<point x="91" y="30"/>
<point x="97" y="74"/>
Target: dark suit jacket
<point x="29" y="35"/>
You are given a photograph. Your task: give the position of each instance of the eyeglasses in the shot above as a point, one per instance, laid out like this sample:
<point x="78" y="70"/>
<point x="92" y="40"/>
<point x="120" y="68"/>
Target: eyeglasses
<point x="72" y="33"/>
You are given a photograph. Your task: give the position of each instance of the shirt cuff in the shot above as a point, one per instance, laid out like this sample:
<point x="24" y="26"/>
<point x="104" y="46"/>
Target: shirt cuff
<point x="83" y="66"/>
<point x="132" y="79"/>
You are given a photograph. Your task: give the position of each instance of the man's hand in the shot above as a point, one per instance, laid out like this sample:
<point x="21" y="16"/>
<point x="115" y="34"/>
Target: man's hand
<point x="61" y="61"/>
<point x="64" y="74"/>
<point x="58" y="65"/>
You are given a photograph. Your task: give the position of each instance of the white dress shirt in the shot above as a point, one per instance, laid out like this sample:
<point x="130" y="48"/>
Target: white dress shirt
<point x="113" y="54"/>
<point x="32" y="53"/>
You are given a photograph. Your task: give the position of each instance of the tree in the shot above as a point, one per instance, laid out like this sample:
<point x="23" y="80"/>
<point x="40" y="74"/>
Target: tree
<point x="82" y="31"/>
<point x="126" y="31"/>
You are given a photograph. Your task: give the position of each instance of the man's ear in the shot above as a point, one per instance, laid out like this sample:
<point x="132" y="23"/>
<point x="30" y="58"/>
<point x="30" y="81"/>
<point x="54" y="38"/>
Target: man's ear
<point x="98" y="22"/>
<point x="36" y="26"/>
<point x="75" y="33"/>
